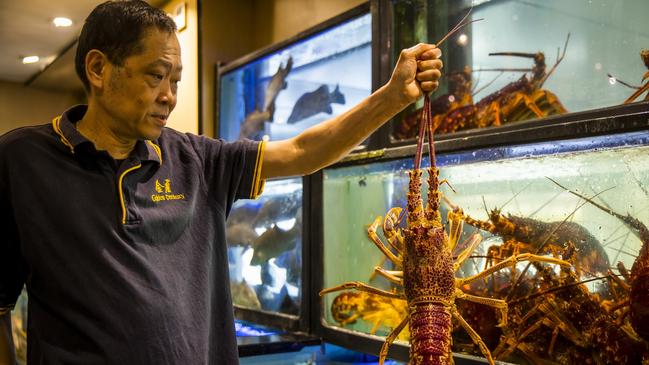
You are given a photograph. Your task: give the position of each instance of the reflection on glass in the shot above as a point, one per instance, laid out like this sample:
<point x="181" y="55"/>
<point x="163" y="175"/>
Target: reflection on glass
<point x="19" y="328"/>
<point x="281" y="94"/>
<point x="552" y="317"/>
<point x="527" y="59"/>
<point x="265" y="248"/>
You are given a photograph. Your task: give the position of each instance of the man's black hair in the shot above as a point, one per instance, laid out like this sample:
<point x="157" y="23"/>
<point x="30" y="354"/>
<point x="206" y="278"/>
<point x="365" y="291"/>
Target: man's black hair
<point x="116" y="28"/>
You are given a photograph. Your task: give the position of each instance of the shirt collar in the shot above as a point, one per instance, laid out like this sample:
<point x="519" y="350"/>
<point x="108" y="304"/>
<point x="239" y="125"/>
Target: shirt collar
<point x="65" y="127"/>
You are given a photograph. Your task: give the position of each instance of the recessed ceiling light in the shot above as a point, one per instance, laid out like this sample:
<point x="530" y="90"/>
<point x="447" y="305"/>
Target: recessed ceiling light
<point x="30" y="59"/>
<point x="62" y="22"/>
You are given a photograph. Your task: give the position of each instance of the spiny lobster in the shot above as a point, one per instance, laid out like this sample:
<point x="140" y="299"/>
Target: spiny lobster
<point x="426" y="266"/>
<point x="567" y="322"/>
<point x="637" y="279"/>
<point x="523" y="234"/>
<point x="518" y="100"/>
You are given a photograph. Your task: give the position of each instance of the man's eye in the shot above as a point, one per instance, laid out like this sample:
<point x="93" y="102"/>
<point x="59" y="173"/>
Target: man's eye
<point x="157" y="76"/>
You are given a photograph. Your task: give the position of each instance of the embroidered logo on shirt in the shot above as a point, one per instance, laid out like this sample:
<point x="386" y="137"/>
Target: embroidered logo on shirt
<point x="164" y="192"/>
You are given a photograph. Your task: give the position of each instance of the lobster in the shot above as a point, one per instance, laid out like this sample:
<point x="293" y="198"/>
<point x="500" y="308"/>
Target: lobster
<point x="348" y="307"/>
<point x="638" y="278"/>
<point x="424" y="257"/>
<point x="569" y="310"/>
<point x="522" y="234"/>
<point x="519" y="100"/>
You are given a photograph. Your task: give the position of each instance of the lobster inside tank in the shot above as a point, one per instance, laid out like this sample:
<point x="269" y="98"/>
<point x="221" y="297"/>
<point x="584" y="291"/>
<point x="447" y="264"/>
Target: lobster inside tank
<point x="265" y="248"/>
<point x="527" y="61"/>
<point x="581" y="202"/>
<point x="281" y="93"/>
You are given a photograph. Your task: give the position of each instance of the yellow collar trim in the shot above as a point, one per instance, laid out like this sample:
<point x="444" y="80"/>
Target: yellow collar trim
<point x="157" y="149"/>
<point x="57" y="129"/>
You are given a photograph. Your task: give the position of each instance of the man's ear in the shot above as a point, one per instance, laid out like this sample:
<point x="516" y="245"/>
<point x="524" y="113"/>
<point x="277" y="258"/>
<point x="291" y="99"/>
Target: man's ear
<point x="96" y="62"/>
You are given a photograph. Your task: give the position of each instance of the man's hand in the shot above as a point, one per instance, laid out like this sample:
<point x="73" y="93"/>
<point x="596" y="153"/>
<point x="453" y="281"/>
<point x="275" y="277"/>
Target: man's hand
<point x="417" y="71"/>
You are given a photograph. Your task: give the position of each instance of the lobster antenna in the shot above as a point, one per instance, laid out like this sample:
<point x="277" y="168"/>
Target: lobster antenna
<point x="542" y="245"/>
<point x="559" y="59"/>
<point x="622" y="82"/>
<point x="558" y="288"/>
<point x="431" y="147"/>
<point x="422" y="131"/>
<point x="484" y="204"/>
<point x="487" y="85"/>
<point x="515" y="195"/>
<point x="461" y="24"/>
<point x="515" y="54"/>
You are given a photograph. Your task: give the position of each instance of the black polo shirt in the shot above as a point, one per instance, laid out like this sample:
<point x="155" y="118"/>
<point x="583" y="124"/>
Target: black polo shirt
<point x="124" y="263"/>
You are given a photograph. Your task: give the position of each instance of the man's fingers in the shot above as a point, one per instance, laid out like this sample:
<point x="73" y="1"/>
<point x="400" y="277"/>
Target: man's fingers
<point x="418" y="50"/>
<point x="430" y="64"/>
<point x="431" y="54"/>
<point x="429" y="75"/>
<point x="428" y="86"/>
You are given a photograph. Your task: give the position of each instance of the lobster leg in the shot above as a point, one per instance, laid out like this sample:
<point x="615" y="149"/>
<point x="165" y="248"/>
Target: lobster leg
<point x="510" y="261"/>
<point x="391" y="230"/>
<point x="362" y="287"/>
<point x="393" y="276"/>
<point x="390" y="339"/>
<point x="473" y="334"/>
<point x="474" y="242"/>
<point x="371" y="231"/>
<point x="455" y="224"/>
<point x="499" y="304"/>
<point x="639" y="92"/>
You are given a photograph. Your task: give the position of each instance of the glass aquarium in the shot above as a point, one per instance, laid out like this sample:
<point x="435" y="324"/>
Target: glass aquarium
<point x="526" y="60"/>
<point x="19" y="328"/>
<point x="265" y="249"/>
<point x="280" y="94"/>
<point x="584" y="201"/>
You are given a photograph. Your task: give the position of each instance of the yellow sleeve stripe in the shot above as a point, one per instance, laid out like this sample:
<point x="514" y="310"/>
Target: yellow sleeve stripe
<point x="121" y="191"/>
<point x="57" y="129"/>
<point x="258" y="183"/>
<point x="157" y="150"/>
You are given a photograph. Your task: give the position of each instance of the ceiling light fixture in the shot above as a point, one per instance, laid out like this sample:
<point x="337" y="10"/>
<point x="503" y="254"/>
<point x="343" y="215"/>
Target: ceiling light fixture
<point x="62" y="22"/>
<point x="30" y="59"/>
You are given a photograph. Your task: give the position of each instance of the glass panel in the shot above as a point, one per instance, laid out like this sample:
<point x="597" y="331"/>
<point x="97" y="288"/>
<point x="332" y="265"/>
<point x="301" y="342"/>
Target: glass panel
<point x="483" y="87"/>
<point x="281" y="94"/>
<point x="265" y="248"/>
<point x="495" y="186"/>
<point x="19" y="328"/>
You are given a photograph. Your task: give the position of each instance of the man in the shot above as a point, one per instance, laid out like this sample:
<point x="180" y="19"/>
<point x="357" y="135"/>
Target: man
<point x="115" y="223"/>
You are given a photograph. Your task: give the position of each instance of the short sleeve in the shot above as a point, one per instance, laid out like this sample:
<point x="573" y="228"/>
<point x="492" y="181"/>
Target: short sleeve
<point x="12" y="266"/>
<point x="232" y="169"/>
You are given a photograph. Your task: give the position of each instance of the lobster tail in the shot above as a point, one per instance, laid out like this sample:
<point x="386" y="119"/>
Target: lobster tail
<point x="430" y="331"/>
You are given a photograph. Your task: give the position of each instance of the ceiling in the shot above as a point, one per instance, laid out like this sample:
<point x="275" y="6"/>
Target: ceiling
<point x="26" y="29"/>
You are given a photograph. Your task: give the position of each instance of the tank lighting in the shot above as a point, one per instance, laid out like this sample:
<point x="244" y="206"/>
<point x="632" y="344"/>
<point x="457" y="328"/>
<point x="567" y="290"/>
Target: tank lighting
<point x="463" y="39"/>
<point x="612" y="80"/>
<point x="62" y="22"/>
<point x="30" y="59"/>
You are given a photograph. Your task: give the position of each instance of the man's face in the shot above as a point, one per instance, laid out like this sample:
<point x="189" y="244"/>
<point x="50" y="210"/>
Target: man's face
<point x="140" y="95"/>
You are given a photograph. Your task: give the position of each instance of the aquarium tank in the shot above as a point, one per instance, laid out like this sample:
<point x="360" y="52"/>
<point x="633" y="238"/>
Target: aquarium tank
<point x="281" y="93"/>
<point x="271" y="95"/>
<point x="584" y="201"/>
<point x="265" y="249"/>
<point x="525" y="60"/>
